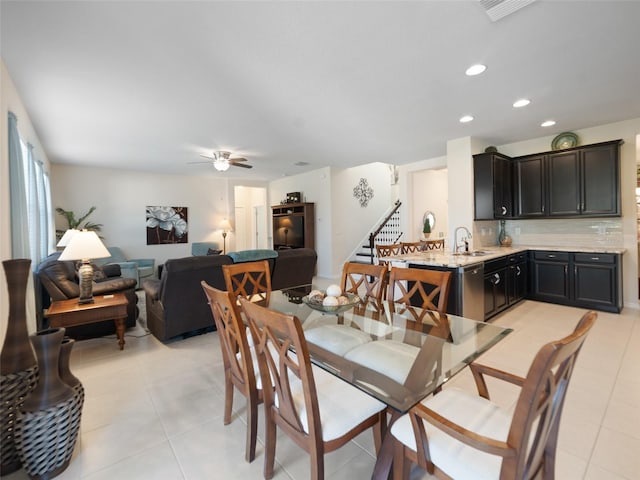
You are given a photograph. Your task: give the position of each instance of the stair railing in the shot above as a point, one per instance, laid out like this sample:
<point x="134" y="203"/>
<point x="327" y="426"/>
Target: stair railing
<point x="388" y="232"/>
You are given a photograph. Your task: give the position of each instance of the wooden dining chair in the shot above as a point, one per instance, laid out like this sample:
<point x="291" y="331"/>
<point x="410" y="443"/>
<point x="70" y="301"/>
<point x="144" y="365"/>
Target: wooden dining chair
<point x="251" y="280"/>
<point x="458" y="435"/>
<point x="319" y="411"/>
<point x="239" y="364"/>
<point x="387" y="251"/>
<point x="427" y="289"/>
<point x="365" y="280"/>
<point x="432" y="244"/>
<point x="411" y="247"/>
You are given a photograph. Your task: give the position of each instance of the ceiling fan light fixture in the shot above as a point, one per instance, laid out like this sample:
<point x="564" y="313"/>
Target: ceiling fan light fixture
<point x="221" y="165"/>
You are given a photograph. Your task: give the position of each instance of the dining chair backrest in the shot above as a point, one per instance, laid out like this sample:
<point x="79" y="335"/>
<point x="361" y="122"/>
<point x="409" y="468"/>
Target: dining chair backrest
<point x="250" y="280"/>
<point x="432" y="244"/>
<point x="388" y="251"/>
<point x="411" y="247"/>
<point x="427" y="289"/>
<point x="238" y="363"/>
<point x="529" y="436"/>
<point x="295" y="404"/>
<point x="367" y="281"/>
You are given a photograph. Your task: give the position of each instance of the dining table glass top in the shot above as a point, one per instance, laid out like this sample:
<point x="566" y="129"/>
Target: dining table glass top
<point x="396" y="353"/>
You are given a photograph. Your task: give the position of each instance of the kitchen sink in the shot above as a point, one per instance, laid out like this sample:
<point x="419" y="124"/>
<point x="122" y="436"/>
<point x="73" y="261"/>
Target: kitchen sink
<point x="475" y="253"/>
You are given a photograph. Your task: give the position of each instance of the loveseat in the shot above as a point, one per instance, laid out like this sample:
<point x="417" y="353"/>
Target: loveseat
<point x="176" y="304"/>
<point x="59" y="281"/>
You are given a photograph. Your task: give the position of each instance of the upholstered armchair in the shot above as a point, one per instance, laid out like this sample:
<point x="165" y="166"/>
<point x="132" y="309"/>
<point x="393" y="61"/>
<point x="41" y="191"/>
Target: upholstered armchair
<point x="136" y="268"/>
<point x="198" y="249"/>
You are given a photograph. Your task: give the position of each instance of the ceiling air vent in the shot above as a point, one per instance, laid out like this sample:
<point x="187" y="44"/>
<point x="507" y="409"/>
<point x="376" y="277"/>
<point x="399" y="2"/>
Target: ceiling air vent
<point x="301" y="164"/>
<point x="497" y="9"/>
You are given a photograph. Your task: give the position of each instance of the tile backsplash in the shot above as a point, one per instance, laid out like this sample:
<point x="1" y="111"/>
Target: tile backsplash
<point x="578" y="232"/>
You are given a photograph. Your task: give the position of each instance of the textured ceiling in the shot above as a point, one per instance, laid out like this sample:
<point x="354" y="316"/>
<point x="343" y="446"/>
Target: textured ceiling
<point x="150" y="85"/>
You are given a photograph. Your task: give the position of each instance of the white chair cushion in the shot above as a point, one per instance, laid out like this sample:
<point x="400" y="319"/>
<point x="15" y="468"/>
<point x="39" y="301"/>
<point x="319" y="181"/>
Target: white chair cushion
<point x="389" y="357"/>
<point x="341" y="406"/>
<point x="473" y="413"/>
<point x="338" y="339"/>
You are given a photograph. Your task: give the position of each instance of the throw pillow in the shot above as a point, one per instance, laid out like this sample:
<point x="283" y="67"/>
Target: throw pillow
<point x="211" y="251"/>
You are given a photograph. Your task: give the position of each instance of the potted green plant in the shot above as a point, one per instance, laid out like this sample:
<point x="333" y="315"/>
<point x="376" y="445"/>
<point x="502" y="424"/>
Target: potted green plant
<point x="426" y="228"/>
<point x="77" y="223"/>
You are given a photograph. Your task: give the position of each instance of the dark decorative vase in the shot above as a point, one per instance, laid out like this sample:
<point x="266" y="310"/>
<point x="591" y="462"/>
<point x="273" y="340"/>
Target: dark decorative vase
<point x="18" y="367"/>
<point x="70" y="379"/>
<point x="45" y="423"/>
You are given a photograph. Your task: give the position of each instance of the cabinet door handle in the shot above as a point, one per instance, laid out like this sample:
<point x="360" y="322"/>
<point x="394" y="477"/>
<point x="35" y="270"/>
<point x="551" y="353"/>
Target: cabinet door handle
<point x="518" y="271"/>
<point x="504" y="210"/>
<point x="496" y="278"/>
<point x="595" y="258"/>
<point x="566" y="269"/>
<point x="551" y="256"/>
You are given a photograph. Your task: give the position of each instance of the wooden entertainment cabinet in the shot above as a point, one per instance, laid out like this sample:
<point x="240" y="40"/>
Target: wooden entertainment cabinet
<point x="293" y="225"/>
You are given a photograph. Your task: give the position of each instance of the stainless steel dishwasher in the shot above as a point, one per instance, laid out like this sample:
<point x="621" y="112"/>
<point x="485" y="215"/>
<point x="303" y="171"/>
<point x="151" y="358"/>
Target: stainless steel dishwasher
<point x="471" y="291"/>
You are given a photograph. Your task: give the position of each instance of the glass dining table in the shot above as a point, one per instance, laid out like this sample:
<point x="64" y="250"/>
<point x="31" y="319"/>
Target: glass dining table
<point x="396" y="353"/>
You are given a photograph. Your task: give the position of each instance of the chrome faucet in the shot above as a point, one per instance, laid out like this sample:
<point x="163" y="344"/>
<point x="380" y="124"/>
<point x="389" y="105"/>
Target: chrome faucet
<point x="464" y="239"/>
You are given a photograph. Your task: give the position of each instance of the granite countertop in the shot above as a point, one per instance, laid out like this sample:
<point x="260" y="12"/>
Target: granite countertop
<point x="446" y="258"/>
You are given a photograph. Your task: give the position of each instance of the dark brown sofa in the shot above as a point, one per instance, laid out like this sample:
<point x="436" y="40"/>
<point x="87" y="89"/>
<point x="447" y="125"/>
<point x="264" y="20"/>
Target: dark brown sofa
<point x="59" y="281"/>
<point x="176" y="304"/>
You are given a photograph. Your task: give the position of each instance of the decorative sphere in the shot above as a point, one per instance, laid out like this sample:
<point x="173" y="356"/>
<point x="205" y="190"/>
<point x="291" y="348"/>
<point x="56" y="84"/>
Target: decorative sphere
<point x="330" y="301"/>
<point x="334" y="290"/>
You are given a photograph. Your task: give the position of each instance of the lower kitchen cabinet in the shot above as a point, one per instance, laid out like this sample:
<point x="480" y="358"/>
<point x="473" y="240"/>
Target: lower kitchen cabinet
<point x="597" y="281"/>
<point x="517" y="278"/>
<point x="495" y="286"/>
<point x="550" y="277"/>
<point x="587" y="280"/>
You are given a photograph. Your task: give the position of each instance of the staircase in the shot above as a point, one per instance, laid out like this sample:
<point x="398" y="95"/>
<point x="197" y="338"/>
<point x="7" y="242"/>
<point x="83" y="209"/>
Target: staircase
<point x="388" y="232"/>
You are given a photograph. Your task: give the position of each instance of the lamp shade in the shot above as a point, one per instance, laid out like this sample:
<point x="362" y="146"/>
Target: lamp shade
<point x="225" y="225"/>
<point x="84" y="245"/>
<point x="66" y="238"/>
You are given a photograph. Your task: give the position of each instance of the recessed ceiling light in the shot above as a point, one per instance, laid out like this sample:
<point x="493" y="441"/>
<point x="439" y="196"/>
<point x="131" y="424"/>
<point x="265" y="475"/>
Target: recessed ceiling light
<point x="475" y="69"/>
<point x="523" y="102"/>
<point x="466" y="119"/>
<point x="548" y="123"/>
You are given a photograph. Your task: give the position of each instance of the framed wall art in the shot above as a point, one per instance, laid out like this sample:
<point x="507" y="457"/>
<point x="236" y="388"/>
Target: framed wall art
<point x="167" y="225"/>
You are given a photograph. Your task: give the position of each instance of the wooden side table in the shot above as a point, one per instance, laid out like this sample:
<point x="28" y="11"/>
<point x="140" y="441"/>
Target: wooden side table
<point x="69" y="313"/>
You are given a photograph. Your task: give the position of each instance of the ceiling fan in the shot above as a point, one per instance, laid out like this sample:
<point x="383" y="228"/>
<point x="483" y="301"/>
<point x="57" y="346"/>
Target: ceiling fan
<point x="221" y="161"/>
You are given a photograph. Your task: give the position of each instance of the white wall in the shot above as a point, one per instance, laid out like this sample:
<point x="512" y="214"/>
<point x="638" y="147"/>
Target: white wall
<point x="120" y="198"/>
<point x="10" y="101"/>
<point x="340" y="220"/>
<point x="430" y="193"/>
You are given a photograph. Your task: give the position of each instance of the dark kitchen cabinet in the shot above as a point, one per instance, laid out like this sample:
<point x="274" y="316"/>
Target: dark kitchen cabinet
<point x="587" y="280"/>
<point x="517" y="278"/>
<point x="550" y="276"/>
<point x="585" y="181"/>
<point x="493" y="186"/>
<point x="530" y="186"/>
<point x="597" y="280"/>
<point x="495" y="286"/>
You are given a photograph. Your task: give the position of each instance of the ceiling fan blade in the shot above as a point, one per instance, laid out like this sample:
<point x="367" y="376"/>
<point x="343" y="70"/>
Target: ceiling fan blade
<point x="243" y="165"/>
<point x="207" y="156"/>
<point x="237" y="159"/>
<point x="200" y="163"/>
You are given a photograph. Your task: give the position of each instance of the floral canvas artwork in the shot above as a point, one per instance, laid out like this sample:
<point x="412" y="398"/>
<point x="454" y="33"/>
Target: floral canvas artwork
<point x="167" y="225"/>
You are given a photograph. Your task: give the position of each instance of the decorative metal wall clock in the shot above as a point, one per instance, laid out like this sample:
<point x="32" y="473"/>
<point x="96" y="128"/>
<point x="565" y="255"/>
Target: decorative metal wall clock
<point x="363" y="192"/>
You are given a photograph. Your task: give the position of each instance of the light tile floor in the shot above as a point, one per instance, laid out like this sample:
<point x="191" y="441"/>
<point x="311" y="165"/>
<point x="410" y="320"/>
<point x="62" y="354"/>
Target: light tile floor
<point x="154" y="410"/>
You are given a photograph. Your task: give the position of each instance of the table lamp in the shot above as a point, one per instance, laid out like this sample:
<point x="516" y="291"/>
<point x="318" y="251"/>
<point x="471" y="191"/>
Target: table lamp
<point x="286" y="224"/>
<point x="226" y="227"/>
<point x="66" y="238"/>
<point x="85" y="245"/>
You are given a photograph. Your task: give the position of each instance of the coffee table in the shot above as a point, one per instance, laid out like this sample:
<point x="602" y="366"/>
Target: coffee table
<point x="69" y="313"/>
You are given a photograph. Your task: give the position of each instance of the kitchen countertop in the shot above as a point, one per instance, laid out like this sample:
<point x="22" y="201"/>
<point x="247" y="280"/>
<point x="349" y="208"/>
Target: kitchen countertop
<point x="448" y="259"/>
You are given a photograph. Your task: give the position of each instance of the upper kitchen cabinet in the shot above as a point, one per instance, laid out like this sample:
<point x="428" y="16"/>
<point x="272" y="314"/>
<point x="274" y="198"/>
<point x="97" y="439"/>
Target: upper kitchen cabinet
<point x="530" y="186"/>
<point x="585" y="181"/>
<point x="493" y="186"/>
